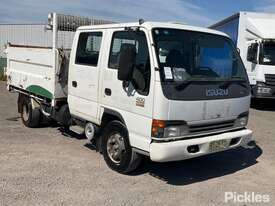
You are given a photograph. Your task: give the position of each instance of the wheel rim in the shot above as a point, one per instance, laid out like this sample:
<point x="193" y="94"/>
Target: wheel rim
<point x="25" y="113"/>
<point x="115" y="147"/>
<point x="89" y="131"/>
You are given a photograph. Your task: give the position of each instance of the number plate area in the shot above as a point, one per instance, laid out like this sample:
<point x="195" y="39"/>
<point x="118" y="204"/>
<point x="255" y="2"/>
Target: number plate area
<point x="219" y="145"/>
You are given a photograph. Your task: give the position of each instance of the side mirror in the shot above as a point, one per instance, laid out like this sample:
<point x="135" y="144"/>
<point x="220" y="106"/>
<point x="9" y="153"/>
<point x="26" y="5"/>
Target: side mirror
<point x="126" y="62"/>
<point x="252" y="53"/>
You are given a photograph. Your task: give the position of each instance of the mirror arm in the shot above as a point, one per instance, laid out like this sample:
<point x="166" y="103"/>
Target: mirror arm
<point x="125" y="84"/>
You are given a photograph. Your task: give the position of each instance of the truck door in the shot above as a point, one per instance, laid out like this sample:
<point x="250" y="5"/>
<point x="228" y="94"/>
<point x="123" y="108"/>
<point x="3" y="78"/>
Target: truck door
<point x="83" y="77"/>
<point x="135" y="104"/>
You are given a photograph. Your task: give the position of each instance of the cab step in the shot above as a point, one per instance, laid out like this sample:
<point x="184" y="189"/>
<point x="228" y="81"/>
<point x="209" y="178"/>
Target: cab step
<point x="77" y="129"/>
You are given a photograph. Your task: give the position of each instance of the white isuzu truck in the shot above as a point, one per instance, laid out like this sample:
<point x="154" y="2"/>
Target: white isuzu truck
<point x="254" y="34"/>
<point x="165" y="90"/>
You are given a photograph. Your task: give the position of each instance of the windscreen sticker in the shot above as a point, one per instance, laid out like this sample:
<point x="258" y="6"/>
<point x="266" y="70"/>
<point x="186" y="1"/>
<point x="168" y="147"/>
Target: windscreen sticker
<point x="179" y="74"/>
<point x="168" y="73"/>
<point x="180" y="69"/>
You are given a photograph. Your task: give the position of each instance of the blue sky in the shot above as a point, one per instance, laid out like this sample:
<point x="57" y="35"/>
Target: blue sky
<point x="194" y="12"/>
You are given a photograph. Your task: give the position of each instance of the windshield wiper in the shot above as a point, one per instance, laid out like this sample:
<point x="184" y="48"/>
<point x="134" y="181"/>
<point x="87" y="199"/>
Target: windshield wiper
<point x="240" y="81"/>
<point x="224" y="83"/>
<point x="186" y="83"/>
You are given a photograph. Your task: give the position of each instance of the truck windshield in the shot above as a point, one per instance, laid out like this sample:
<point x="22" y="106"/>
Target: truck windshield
<point x="268" y="53"/>
<point x="195" y="56"/>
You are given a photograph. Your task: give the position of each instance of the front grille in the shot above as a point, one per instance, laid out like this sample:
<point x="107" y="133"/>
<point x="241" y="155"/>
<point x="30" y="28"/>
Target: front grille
<point x="213" y="127"/>
<point x="270" y="79"/>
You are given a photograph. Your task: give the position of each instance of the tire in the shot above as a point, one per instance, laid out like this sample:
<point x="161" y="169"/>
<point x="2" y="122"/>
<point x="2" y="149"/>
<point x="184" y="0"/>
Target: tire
<point x="45" y="121"/>
<point x="125" y="160"/>
<point x="30" y="117"/>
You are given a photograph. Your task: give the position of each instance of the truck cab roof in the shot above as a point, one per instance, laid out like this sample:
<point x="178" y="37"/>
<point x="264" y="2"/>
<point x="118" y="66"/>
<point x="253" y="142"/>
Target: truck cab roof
<point x="150" y="25"/>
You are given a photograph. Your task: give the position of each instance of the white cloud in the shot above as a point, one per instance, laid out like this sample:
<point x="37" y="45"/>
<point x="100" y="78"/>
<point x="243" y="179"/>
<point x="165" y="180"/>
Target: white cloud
<point x="118" y="10"/>
<point x="265" y="6"/>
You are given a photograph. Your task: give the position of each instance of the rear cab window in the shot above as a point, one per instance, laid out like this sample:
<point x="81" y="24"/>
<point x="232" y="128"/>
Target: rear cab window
<point x="88" y="48"/>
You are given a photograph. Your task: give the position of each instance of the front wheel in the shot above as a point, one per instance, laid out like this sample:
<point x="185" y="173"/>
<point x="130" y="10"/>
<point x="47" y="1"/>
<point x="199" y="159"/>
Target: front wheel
<point x="116" y="149"/>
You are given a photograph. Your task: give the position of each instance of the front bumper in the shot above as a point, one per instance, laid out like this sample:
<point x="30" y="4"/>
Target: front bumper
<point x="178" y="150"/>
<point x="262" y="90"/>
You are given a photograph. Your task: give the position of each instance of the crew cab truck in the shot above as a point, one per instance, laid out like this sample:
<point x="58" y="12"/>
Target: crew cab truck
<point x="254" y="34"/>
<point x="164" y="90"/>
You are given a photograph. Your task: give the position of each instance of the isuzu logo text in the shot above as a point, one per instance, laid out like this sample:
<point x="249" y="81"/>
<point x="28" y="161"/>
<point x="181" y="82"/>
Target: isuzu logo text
<point x="216" y="92"/>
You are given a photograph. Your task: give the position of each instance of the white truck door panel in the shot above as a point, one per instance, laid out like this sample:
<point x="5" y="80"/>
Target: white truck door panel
<point x="84" y="77"/>
<point x="136" y="106"/>
<point x="127" y="98"/>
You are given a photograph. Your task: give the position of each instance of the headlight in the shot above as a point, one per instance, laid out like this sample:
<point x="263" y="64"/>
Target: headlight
<point x="163" y="129"/>
<point x="241" y="121"/>
<point x="263" y="89"/>
<point x="175" y="131"/>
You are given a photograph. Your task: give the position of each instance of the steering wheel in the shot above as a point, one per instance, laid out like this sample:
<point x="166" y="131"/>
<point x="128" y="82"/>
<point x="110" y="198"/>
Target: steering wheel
<point x="208" y="69"/>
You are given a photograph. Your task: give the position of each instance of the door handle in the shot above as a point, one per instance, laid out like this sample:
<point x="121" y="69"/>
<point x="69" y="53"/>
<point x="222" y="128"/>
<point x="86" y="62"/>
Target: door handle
<point x="74" y="83"/>
<point x="108" y="91"/>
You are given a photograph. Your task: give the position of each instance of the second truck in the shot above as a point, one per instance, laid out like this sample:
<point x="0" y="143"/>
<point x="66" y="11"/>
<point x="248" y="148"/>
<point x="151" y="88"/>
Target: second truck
<point x="254" y="34"/>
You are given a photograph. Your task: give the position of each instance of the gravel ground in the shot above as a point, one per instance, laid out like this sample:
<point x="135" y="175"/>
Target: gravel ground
<point x="45" y="167"/>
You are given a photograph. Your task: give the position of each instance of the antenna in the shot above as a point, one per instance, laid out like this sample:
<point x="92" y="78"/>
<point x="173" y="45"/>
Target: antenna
<point x="141" y="21"/>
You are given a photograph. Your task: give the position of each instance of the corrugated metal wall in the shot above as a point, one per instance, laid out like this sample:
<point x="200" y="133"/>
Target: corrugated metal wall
<point x="34" y="35"/>
<point x="25" y="34"/>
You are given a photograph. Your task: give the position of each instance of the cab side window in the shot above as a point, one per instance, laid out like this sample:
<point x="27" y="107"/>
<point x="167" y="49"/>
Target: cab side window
<point x="88" y="48"/>
<point x="124" y="39"/>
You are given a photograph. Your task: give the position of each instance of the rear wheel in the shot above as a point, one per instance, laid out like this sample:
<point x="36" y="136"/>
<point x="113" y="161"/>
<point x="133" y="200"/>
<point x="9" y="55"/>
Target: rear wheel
<point x="30" y="117"/>
<point x="117" y="150"/>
